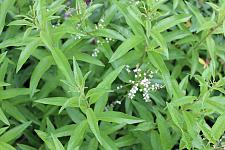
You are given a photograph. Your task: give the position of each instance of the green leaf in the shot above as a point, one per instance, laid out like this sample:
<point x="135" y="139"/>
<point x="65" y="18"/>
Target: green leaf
<point x="87" y="58"/>
<point x="44" y="64"/>
<point x="218" y="128"/>
<point x="194" y="61"/>
<point x="77" y="136"/>
<point x="160" y="40"/>
<point x="143" y="111"/>
<point x="5" y="146"/>
<point x="175" y="115"/>
<point x="58" y="145"/>
<point x="60" y="101"/>
<point x="184" y="100"/>
<point x="206" y="130"/>
<point x="22" y="22"/>
<point x="144" y="126"/>
<point x="48" y="140"/>
<point x="3" y="84"/>
<point x="212" y="51"/>
<point x="14" y="133"/>
<point x="3" y="118"/>
<point x="158" y="62"/>
<point x="109" y="34"/>
<point x="78" y="76"/>
<point x="59" y="57"/>
<point x="106" y="84"/>
<point x="2" y="56"/>
<point x="125" y="47"/>
<point x="95" y="94"/>
<point x="171" y="21"/>
<point x="26" y="52"/>
<point x="4" y="8"/>
<point x="93" y="144"/>
<point x="13" y="111"/>
<point x="155" y="140"/>
<point x="221" y="14"/>
<point x="117" y="117"/>
<point x="126" y="140"/>
<point x="93" y="124"/>
<point x="108" y="80"/>
<point x="25" y="147"/>
<point x="10" y="93"/>
<point x="131" y="21"/>
<point x="2" y="130"/>
<point x="164" y="132"/>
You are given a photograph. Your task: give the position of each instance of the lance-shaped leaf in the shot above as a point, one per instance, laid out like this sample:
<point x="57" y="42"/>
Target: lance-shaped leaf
<point x="184" y="100"/>
<point x="155" y="34"/>
<point x="14" y="133"/>
<point x="125" y="47"/>
<point x="77" y="136"/>
<point x="61" y="101"/>
<point x="109" y="34"/>
<point x="4" y="8"/>
<point x="58" y="145"/>
<point x="106" y="84"/>
<point x="93" y="124"/>
<point x="3" y="84"/>
<point x="26" y="52"/>
<point x="3" y="118"/>
<point x="108" y="80"/>
<point x="218" y="128"/>
<point x="59" y="57"/>
<point x="10" y="93"/>
<point x="171" y="21"/>
<point x="38" y="72"/>
<point x="5" y="146"/>
<point x="78" y="76"/>
<point x="158" y="62"/>
<point x="117" y="117"/>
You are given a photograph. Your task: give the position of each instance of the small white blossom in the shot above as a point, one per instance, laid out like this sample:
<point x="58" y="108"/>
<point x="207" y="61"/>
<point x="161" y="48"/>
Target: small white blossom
<point x="95" y="52"/>
<point x="127" y="67"/>
<point x="132" y="92"/>
<point x="118" y="102"/>
<point x="143" y="84"/>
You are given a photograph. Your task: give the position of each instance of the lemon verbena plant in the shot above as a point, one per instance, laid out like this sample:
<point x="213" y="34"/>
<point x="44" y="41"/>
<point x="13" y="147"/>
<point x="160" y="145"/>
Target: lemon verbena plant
<point x="112" y="74"/>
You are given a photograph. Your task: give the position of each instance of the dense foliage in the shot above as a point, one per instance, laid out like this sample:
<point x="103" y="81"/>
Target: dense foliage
<point x="112" y="74"/>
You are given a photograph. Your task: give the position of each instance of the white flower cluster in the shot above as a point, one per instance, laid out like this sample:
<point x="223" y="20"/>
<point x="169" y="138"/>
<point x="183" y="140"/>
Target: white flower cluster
<point x="133" y="91"/>
<point x="119" y="87"/>
<point x="95" y="52"/>
<point x="78" y="26"/>
<point x="100" y="24"/>
<point x="77" y="37"/>
<point x="127" y="67"/>
<point x="142" y="83"/>
<point x="108" y="40"/>
<point x="134" y="2"/>
<point x="113" y="104"/>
